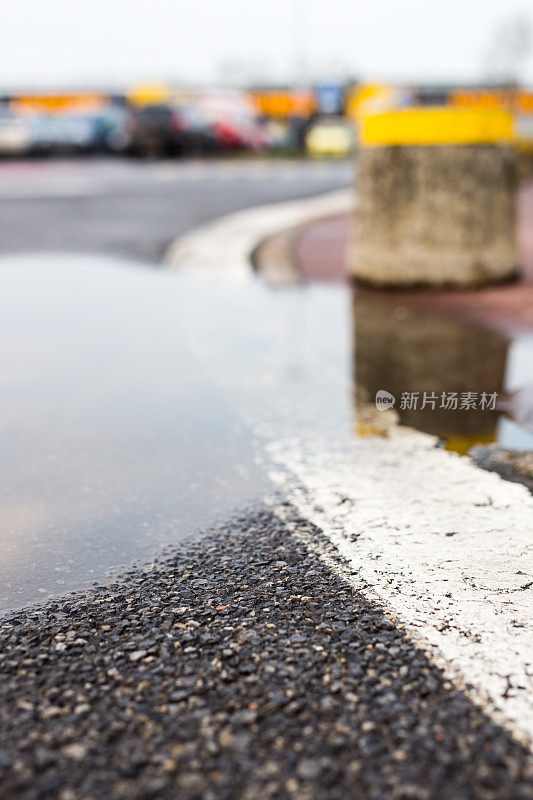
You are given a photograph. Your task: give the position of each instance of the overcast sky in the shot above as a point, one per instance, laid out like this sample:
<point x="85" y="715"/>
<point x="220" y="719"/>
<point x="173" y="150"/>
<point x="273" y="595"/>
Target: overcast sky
<point x="117" y="42"/>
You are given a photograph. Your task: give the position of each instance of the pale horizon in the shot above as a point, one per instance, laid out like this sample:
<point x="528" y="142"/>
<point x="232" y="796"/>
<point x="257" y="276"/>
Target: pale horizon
<point x="54" y="45"/>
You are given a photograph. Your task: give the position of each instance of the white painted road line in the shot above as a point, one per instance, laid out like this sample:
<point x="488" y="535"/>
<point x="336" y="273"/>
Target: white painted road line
<point x="446" y="546"/>
<point x="222" y="249"/>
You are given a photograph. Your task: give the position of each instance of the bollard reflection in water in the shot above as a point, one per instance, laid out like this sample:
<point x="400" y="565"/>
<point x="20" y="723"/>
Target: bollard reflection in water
<point x="418" y="355"/>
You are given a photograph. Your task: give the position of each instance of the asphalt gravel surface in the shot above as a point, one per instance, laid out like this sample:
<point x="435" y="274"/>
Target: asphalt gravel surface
<point x="240" y="667"/>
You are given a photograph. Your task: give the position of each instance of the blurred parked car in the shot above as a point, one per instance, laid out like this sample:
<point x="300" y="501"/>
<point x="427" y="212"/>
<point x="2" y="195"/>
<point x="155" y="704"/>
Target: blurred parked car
<point x="240" y="132"/>
<point x="107" y="130"/>
<point x="58" y="134"/>
<point x="117" y="129"/>
<point x="155" y="133"/>
<point x="78" y="133"/>
<point x="279" y="134"/>
<point x="227" y="134"/>
<point x="172" y="131"/>
<point x="111" y="130"/>
<point x="330" y="137"/>
<point x="45" y="135"/>
<point x="234" y="120"/>
<point x="15" y="134"/>
<point x="198" y="135"/>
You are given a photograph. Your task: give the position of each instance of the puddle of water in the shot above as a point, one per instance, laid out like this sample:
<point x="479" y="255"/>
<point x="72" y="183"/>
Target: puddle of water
<point x="135" y="404"/>
<point x="448" y="377"/>
<point x="131" y="402"/>
<point x="519" y="382"/>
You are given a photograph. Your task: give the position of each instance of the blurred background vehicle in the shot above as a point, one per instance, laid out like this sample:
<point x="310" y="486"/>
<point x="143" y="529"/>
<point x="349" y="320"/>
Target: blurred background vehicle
<point x="52" y="135"/>
<point x="15" y="135"/>
<point x="235" y="119"/>
<point x="207" y="124"/>
<point x="76" y="133"/>
<point x="160" y="130"/>
<point x="154" y="134"/>
<point x="44" y="135"/>
<point x="158" y="121"/>
<point x="41" y="132"/>
<point x="198" y="136"/>
<point x="241" y="132"/>
<point x="109" y="130"/>
<point x="332" y="137"/>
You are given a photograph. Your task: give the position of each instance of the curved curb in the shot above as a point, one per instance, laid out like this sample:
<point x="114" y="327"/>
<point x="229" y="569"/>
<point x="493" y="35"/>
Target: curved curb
<point x="223" y="249"/>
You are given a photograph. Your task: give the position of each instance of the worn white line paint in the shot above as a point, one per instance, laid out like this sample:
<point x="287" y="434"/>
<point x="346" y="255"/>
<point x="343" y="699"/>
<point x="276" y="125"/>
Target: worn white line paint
<point x="222" y="248"/>
<point x="444" y="545"/>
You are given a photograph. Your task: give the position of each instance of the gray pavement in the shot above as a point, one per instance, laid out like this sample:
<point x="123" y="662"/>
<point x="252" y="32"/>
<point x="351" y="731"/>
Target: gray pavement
<point x="134" y="209"/>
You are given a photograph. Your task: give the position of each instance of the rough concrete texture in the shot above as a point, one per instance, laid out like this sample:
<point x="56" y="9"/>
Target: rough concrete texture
<point x="323" y="245"/>
<point x="435" y="216"/>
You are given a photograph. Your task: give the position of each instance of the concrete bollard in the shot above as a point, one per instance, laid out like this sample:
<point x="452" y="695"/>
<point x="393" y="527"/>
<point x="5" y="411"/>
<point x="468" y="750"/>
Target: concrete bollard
<point x="436" y="199"/>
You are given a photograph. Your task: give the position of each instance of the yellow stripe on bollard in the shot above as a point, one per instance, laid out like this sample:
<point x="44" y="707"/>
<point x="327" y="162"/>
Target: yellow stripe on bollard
<point x="436" y="126"/>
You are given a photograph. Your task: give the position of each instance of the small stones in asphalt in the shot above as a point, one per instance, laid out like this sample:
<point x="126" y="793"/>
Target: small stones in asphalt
<point x="240" y="668"/>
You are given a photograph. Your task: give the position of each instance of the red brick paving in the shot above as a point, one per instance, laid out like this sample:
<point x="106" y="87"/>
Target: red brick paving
<point x="321" y="249"/>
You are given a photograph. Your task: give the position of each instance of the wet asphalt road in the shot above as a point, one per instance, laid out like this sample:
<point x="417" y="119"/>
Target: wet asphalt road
<point x="134" y="209"/>
<point x="241" y="667"/>
<point x="119" y="434"/>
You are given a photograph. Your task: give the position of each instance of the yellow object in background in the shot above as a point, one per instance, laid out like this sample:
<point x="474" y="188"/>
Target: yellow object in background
<point x="330" y="137"/>
<point x="520" y="101"/>
<point x="149" y="94"/>
<point x="436" y="126"/>
<point x="369" y="97"/>
<point x="281" y="104"/>
<point x="82" y="102"/>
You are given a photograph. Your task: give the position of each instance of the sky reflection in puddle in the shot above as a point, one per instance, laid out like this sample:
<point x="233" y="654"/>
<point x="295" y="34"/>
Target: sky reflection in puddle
<point x="136" y="403"/>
